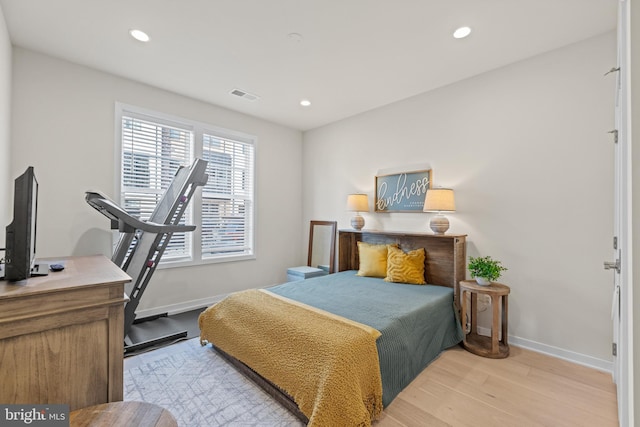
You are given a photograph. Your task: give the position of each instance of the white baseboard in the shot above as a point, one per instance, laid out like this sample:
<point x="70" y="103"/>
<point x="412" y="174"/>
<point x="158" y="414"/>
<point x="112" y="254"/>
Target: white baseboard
<point x="560" y="353"/>
<point x="179" y="308"/>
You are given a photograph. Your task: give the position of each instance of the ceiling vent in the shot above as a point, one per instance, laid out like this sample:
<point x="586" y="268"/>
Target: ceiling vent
<point x="245" y="95"/>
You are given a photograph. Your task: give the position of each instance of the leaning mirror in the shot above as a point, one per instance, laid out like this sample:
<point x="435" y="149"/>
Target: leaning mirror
<point x="322" y="244"/>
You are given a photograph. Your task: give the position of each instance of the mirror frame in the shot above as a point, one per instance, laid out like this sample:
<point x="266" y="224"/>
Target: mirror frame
<point x="332" y="254"/>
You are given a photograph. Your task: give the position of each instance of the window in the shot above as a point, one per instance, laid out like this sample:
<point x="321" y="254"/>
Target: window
<point x="227" y="197"/>
<point x="153" y="146"/>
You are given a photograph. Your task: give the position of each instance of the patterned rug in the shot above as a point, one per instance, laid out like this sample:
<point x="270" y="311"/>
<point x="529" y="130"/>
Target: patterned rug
<point x="201" y="389"/>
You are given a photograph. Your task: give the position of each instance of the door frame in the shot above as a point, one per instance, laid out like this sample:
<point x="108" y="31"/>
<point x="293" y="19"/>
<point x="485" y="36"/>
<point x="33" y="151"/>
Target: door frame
<point x="623" y="331"/>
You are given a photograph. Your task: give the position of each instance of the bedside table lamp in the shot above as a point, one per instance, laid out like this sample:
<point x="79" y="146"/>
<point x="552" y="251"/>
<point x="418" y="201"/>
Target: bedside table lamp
<point x="357" y="203"/>
<point x="439" y="200"/>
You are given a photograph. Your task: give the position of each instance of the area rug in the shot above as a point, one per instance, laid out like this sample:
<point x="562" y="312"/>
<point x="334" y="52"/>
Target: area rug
<point x="201" y="389"/>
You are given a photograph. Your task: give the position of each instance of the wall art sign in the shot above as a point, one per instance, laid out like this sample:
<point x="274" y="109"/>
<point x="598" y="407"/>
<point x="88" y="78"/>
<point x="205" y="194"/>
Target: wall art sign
<point x="402" y="192"/>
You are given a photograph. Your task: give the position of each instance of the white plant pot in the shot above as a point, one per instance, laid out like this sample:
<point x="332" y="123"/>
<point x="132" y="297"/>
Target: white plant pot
<point x="483" y="281"/>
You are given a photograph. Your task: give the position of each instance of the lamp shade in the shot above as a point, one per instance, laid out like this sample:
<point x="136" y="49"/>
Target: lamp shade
<point x="358" y="203"/>
<point x="439" y="200"/>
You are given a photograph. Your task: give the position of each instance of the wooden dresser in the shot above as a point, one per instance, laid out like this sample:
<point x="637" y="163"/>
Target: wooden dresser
<point x="61" y="335"/>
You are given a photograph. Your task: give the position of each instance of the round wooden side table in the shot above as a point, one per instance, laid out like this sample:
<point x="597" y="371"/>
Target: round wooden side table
<point x="117" y="414"/>
<point x="481" y="345"/>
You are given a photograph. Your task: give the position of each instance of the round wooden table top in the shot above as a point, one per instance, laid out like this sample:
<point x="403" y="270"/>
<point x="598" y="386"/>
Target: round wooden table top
<point x="116" y="414"/>
<point x="494" y="288"/>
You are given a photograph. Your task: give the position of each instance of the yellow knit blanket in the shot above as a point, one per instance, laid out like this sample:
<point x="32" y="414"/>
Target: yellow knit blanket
<point x="326" y="363"/>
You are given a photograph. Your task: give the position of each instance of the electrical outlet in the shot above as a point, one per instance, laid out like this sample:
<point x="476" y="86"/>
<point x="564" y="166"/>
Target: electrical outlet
<point x="484" y="301"/>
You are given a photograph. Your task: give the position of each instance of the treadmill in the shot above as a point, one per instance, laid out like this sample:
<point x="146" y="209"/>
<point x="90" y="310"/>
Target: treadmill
<point x="142" y="243"/>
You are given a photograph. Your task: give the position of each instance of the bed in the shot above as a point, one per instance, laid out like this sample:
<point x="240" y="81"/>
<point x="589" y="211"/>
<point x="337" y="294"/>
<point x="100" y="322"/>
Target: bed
<point x="392" y="330"/>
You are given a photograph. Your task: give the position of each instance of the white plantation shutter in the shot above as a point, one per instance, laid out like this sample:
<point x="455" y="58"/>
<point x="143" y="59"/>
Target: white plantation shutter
<point x="152" y="151"/>
<point x="227" y="199"/>
<point x="153" y="146"/>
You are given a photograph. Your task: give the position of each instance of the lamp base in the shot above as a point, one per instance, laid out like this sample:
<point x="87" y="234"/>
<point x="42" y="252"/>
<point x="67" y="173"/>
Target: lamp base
<point x="357" y="222"/>
<point x="439" y="224"/>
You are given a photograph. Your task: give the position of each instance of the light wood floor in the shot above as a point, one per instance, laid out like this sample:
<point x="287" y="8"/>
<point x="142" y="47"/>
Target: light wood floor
<point x="525" y="389"/>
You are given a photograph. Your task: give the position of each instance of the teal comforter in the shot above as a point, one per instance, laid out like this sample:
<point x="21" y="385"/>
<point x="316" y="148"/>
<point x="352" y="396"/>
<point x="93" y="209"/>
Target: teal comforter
<point x="417" y="322"/>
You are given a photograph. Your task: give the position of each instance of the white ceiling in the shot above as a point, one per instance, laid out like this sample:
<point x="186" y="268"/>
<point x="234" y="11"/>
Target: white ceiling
<point x="355" y="55"/>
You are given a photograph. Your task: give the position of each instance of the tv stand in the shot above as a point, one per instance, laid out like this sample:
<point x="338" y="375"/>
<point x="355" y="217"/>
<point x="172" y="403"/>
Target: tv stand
<point x="39" y="269"/>
<point x="61" y="335"/>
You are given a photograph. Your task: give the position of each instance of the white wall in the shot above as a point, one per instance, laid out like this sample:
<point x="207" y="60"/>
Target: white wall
<point x="526" y="150"/>
<point x="5" y="128"/>
<point x="63" y="125"/>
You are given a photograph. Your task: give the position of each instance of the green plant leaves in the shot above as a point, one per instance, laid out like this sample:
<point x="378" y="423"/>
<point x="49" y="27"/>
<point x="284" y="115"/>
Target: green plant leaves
<point x="485" y="267"/>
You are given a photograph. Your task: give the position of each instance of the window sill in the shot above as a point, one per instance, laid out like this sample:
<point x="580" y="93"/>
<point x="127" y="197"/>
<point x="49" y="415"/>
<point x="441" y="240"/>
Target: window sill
<point x="167" y="264"/>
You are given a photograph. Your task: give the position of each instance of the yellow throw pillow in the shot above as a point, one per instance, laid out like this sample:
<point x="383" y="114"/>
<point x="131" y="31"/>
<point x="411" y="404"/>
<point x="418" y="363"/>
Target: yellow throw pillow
<point x="373" y="260"/>
<point x="405" y="267"/>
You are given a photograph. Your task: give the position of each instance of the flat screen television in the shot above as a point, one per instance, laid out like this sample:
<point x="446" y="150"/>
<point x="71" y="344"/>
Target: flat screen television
<point x="20" y="251"/>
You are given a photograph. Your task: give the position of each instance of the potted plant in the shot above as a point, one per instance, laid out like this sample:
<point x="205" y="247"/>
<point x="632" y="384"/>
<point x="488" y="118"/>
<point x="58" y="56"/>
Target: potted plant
<point x="485" y="269"/>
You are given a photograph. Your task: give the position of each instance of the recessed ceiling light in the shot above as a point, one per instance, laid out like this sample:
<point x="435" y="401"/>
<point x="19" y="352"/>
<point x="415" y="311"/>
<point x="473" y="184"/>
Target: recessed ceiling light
<point x="305" y="102"/>
<point x="462" y="32"/>
<point x="139" y="35"/>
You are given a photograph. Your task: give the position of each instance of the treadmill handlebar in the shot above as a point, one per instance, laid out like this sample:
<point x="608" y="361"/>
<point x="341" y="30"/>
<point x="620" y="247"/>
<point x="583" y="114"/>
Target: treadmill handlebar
<point x="111" y="210"/>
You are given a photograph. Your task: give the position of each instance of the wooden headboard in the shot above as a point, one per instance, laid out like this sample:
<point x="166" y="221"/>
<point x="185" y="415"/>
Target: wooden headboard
<point x="445" y="263"/>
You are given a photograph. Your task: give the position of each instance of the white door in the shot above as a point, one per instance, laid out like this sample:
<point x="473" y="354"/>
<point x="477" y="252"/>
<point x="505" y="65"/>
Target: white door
<point x="621" y="262"/>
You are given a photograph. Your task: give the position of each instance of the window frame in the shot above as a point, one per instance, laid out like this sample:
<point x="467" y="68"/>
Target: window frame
<point x="198" y="129"/>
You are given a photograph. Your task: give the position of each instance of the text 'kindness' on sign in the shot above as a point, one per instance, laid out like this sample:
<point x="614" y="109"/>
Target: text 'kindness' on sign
<point x="402" y="192"/>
